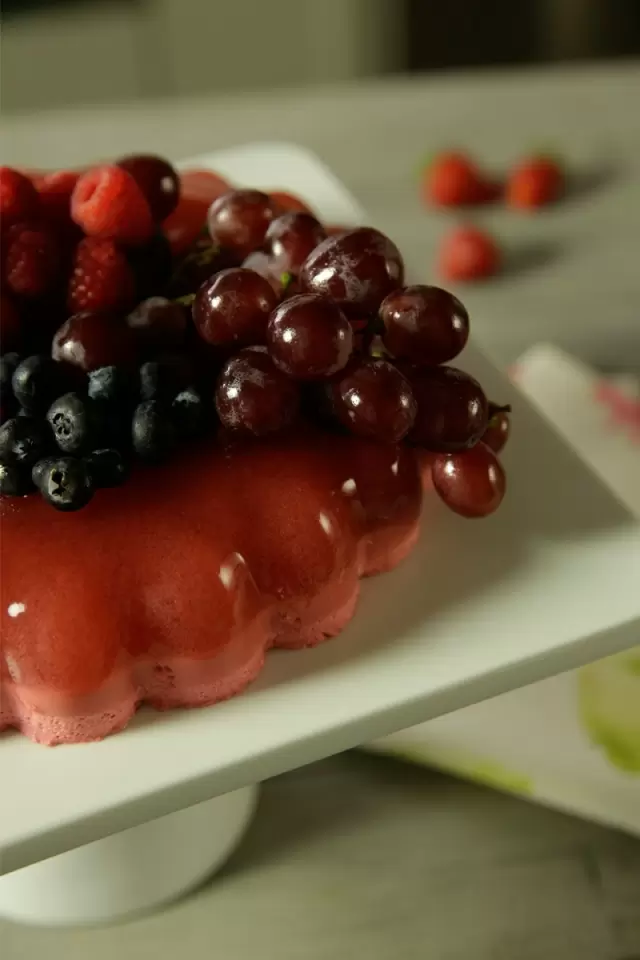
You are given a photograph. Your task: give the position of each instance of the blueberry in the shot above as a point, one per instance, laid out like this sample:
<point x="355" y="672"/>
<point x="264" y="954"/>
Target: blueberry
<point x="66" y="484"/>
<point x="23" y="440"/>
<point x="152" y="431"/>
<point x="14" y="480"/>
<point x="107" y="467"/>
<point x="36" y="382"/>
<point x="163" y="378"/>
<point x="73" y="422"/>
<point x="112" y="386"/>
<point x="38" y="469"/>
<point x="189" y="413"/>
<point x="8" y="364"/>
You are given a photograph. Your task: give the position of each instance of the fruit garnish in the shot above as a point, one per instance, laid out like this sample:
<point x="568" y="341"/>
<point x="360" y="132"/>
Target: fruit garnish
<point x="101" y="277"/>
<point x="309" y="337"/>
<point x="425" y="325"/>
<point x="238" y="220"/>
<point x="157" y="180"/>
<point x="373" y="399"/>
<point x="18" y="197"/>
<point x="233" y="307"/>
<point x="467" y="254"/>
<point x="32" y="259"/>
<point x="452" y="409"/>
<point x="253" y="396"/>
<point x="470" y="482"/>
<point x="534" y="182"/>
<point x="454" y="179"/>
<point x="498" y="428"/>
<point x="108" y="203"/>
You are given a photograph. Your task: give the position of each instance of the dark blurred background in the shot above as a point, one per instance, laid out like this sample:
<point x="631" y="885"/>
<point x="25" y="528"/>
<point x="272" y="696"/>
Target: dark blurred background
<point x="67" y="52"/>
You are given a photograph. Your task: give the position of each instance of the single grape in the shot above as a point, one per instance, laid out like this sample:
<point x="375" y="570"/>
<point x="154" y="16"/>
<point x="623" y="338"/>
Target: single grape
<point x="263" y="263"/>
<point x="309" y="338"/>
<point x="452" y="408"/>
<point x="238" y="220"/>
<point x="254" y="397"/>
<point x="233" y="307"/>
<point x="158" y="181"/>
<point x="90" y="340"/>
<point x="357" y="269"/>
<point x="158" y="324"/>
<point x="499" y="428"/>
<point x="374" y="399"/>
<point x="425" y="325"/>
<point x="289" y="241"/>
<point x="470" y="482"/>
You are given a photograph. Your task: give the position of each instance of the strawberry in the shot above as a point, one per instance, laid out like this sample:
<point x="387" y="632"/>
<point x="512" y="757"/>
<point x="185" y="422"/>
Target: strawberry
<point x="18" y="197"/>
<point x="290" y="203"/>
<point x="203" y="185"/>
<point x="101" y="278"/>
<point x="108" y="203"/>
<point x="534" y="182"/>
<point x="468" y="253"/>
<point x="32" y="259"/>
<point x="454" y="180"/>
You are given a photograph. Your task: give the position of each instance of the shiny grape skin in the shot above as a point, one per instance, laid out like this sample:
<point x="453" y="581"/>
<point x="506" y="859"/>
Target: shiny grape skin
<point x="423" y="324"/>
<point x="233" y="307"/>
<point x="471" y="482"/>
<point x="289" y="241"/>
<point x="158" y="324"/>
<point x="373" y="399"/>
<point x="499" y="428"/>
<point x="452" y="408"/>
<point x="158" y="181"/>
<point x="357" y="269"/>
<point x="253" y="397"/>
<point x="239" y="219"/>
<point x="309" y="338"/>
<point x="91" y="340"/>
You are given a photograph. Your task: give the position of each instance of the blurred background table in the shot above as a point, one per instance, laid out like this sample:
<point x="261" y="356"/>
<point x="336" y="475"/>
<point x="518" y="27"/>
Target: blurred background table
<point x="360" y="856"/>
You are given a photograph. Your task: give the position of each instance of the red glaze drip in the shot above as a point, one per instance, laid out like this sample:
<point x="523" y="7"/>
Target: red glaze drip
<point x="171" y="588"/>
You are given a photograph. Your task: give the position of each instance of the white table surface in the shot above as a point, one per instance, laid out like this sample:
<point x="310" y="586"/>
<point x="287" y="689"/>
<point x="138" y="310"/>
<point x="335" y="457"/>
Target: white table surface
<point x="372" y="136"/>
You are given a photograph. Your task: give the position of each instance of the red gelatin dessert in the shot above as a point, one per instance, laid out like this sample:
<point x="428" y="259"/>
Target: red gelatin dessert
<point x="190" y="478"/>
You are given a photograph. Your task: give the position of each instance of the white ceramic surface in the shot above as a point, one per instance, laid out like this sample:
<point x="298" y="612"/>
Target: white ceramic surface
<point x="549" y="583"/>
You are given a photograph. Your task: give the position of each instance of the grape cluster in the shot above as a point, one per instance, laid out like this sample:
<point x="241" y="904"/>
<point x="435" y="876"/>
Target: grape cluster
<point x="276" y="323"/>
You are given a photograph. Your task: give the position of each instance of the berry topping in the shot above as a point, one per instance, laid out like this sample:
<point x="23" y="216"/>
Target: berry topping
<point x="18" y="197"/>
<point x="534" y="183"/>
<point x="373" y="399"/>
<point x="425" y="325"/>
<point x="101" y="277"/>
<point x="152" y="431"/>
<point x="239" y="219"/>
<point x="32" y="259"/>
<point x="157" y="180"/>
<point x="357" y="269"/>
<point x="468" y="254"/>
<point x="91" y="340"/>
<point x="36" y="381"/>
<point x="233" y="307"/>
<point x="65" y="483"/>
<point x="108" y="203"/>
<point x="471" y="482"/>
<point x="72" y="423"/>
<point x="253" y="396"/>
<point x="158" y="324"/>
<point x="309" y="337"/>
<point x="24" y="440"/>
<point x="107" y="467"/>
<point x="452" y="409"/>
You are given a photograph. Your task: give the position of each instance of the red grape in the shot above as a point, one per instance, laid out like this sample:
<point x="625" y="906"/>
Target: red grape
<point x="262" y="263"/>
<point x="253" y="396"/>
<point x="471" y="482"/>
<point x="452" y="408"/>
<point x="158" y="323"/>
<point x="239" y="220"/>
<point x="425" y="325"/>
<point x="158" y="181"/>
<point x="290" y="239"/>
<point x="309" y="337"/>
<point x="357" y="269"/>
<point x="91" y="340"/>
<point x="374" y="399"/>
<point x="233" y="307"/>
<point x="498" y="429"/>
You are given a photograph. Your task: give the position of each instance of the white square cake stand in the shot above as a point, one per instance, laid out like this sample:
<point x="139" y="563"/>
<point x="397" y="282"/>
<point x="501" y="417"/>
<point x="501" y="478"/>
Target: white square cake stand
<point x="552" y="581"/>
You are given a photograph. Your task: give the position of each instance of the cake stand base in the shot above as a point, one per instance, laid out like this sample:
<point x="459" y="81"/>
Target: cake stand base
<point x="131" y="872"/>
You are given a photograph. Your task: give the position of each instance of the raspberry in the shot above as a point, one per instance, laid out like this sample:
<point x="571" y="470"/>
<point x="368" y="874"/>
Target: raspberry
<point x="32" y="259"/>
<point x="534" y="183"/>
<point x="18" y="197"/>
<point x="468" y="254"/>
<point x="454" y="180"/>
<point x="55" y="191"/>
<point x="108" y="203"/>
<point x="101" y="278"/>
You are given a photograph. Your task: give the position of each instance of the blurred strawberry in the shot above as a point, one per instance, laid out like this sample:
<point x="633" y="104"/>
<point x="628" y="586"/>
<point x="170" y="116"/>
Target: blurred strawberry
<point x="534" y="182"/>
<point x="455" y="180"/>
<point x="289" y="202"/>
<point x="468" y="253"/>
<point x="203" y="185"/>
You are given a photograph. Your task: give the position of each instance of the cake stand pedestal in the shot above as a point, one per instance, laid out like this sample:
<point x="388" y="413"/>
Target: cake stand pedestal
<point x="131" y="872"/>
